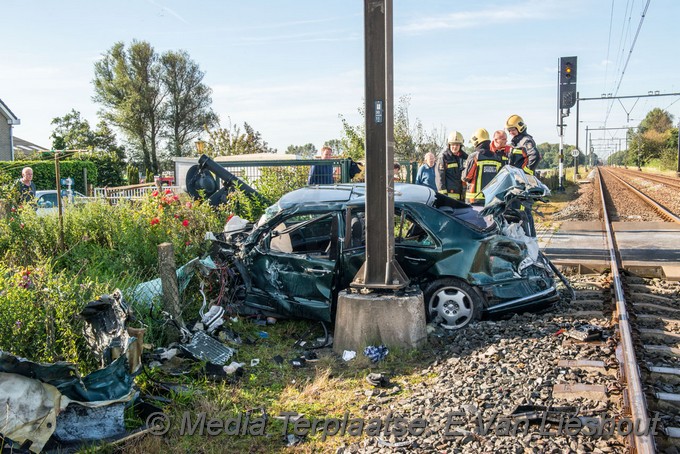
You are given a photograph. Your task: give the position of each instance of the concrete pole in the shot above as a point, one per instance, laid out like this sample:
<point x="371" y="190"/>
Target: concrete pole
<point x="380" y="270"/>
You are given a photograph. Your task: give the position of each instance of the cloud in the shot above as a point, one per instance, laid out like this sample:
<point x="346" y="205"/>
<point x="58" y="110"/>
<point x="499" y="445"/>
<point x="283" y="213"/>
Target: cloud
<point x="483" y="18"/>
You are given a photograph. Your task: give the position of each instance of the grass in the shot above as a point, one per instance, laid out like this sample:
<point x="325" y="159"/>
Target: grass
<point x="326" y="388"/>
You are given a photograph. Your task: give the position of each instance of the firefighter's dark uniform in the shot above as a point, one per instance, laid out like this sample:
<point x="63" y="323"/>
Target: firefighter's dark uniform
<point x="480" y="168"/>
<point x="449" y="172"/>
<point x="524" y="154"/>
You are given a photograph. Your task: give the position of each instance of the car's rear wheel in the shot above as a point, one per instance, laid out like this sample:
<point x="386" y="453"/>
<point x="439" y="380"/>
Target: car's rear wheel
<point x="452" y="303"/>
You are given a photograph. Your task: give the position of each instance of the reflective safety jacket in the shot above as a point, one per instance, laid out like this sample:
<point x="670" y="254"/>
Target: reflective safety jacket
<point x="449" y="173"/>
<point x="524" y="154"/>
<point x="503" y="153"/>
<point x="480" y="168"/>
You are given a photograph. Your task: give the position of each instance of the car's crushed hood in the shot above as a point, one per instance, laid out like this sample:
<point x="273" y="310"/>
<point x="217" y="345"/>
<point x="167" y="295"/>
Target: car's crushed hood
<point x="509" y="185"/>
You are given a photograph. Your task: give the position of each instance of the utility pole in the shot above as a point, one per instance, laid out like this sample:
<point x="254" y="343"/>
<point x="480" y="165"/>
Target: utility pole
<point x="60" y="243"/>
<point x="567" y="96"/>
<point x="677" y="172"/>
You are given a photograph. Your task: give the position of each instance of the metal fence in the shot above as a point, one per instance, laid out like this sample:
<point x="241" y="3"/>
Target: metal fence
<point x="133" y="192"/>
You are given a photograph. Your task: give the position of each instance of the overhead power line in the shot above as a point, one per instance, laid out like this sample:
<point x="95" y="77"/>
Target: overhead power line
<point x="630" y="52"/>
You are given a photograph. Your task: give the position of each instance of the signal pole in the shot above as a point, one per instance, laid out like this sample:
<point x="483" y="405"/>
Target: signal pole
<point x="567" y="99"/>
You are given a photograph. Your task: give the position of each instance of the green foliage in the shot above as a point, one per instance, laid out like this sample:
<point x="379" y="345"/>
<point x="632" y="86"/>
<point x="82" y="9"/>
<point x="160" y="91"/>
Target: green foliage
<point x="274" y="182"/>
<point x="132" y="173"/>
<point x="109" y="166"/>
<point x="187" y="110"/>
<point x="39" y="314"/>
<point x="149" y="177"/>
<point x="44" y="173"/>
<point x="231" y="141"/>
<point x="74" y="133"/>
<point x="151" y="97"/>
<point x="306" y="151"/>
<point x="353" y="140"/>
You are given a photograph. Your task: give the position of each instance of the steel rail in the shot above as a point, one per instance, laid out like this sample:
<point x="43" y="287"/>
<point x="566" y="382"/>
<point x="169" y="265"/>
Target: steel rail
<point x="656" y="206"/>
<point x="668" y="181"/>
<point x="644" y="444"/>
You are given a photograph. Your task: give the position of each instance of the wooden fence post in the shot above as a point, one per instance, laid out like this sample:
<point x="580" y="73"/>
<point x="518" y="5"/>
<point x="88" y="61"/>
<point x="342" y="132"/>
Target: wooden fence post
<point x="170" y="299"/>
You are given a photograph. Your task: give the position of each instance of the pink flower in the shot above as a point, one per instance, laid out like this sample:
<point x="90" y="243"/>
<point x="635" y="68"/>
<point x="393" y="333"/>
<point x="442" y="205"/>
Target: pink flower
<point x="155" y="221"/>
<point x="185" y="223"/>
<point x="168" y="191"/>
<point x="187" y="243"/>
<point x="154" y="194"/>
<point x="22" y="225"/>
<point x="176" y="216"/>
<point x="188" y="204"/>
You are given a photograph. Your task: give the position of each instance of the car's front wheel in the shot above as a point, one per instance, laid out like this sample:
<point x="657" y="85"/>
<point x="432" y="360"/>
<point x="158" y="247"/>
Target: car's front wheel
<point x="451" y="303"/>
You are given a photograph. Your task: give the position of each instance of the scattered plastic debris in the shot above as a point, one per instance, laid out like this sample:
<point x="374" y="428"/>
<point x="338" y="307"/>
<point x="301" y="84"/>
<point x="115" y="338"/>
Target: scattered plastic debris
<point x="376" y="354"/>
<point x="349" y="355"/>
<point x="378" y="380"/>
<point x="254" y="362"/>
<point x="298" y="362"/>
<point x="233" y="367"/>
<point x="585" y="333"/>
<point x="263" y="334"/>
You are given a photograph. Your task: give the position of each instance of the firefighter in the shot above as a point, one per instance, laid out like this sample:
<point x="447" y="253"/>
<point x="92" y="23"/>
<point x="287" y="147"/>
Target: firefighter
<point x="500" y="146"/>
<point x="449" y="170"/>
<point x="524" y="154"/>
<point x="480" y="168"/>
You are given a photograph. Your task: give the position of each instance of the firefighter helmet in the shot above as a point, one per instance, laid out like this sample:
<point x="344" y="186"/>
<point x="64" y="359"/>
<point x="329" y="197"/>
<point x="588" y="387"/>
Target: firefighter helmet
<point x="456" y="137"/>
<point x="479" y="136"/>
<point x="515" y="121"/>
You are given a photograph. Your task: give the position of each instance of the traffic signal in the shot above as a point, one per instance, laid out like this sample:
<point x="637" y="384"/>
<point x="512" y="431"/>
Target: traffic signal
<point x="567" y="70"/>
<point x="567" y="85"/>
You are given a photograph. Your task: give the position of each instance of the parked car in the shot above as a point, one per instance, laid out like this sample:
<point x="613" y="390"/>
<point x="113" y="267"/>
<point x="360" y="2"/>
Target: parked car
<point x="46" y="200"/>
<point x="310" y="245"/>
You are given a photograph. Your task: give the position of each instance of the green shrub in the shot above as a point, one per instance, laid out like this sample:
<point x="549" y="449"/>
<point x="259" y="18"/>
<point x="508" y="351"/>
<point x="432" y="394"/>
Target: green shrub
<point x="44" y="172"/>
<point x="39" y="314"/>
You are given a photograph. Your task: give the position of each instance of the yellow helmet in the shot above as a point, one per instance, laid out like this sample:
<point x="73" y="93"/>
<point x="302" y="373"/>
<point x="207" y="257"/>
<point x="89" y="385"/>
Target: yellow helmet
<point x="515" y="121"/>
<point x="456" y="137"/>
<point x="479" y="136"/>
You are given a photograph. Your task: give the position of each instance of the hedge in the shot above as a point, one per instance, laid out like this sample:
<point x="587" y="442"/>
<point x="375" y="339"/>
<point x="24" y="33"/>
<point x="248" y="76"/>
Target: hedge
<point x="44" y="172"/>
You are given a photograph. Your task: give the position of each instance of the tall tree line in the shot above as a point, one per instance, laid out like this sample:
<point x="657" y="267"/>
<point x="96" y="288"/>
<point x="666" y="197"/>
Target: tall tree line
<point x="152" y="97"/>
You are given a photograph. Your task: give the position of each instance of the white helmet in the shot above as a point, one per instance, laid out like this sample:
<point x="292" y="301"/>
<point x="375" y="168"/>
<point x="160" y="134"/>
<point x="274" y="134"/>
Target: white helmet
<point x="456" y="137"/>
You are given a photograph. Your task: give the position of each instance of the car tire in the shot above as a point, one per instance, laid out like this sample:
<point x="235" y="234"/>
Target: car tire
<point x="452" y="303"/>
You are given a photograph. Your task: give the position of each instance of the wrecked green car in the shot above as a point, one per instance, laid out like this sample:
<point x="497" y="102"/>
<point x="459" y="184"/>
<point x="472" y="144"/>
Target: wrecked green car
<point x="310" y="245"/>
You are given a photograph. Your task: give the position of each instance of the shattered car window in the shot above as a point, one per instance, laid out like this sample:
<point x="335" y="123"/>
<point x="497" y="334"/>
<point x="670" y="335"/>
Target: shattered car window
<point x="302" y="234"/>
<point x="409" y="232"/>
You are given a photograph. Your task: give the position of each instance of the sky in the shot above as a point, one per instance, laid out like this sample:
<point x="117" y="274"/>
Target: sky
<point x="291" y="68"/>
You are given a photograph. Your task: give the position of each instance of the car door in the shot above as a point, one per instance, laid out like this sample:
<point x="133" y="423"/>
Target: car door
<point x="415" y="248"/>
<point x="294" y="268"/>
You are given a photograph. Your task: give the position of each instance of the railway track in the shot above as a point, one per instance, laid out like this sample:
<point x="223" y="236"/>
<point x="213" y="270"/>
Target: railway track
<point x="646" y="327"/>
<point x="663" y="212"/>
<point x="672" y="182"/>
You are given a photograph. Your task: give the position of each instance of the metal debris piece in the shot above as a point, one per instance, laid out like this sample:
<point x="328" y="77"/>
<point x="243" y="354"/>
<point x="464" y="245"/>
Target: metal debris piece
<point x="206" y="348"/>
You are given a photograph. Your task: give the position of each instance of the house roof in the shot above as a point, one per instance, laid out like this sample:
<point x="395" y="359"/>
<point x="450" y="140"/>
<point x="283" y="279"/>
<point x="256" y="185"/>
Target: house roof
<point x="14" y="120"/>
<point x="25" y="148"/>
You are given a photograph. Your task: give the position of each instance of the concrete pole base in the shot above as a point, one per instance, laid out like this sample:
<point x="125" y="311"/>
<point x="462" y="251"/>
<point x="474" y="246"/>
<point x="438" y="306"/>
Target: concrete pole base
<point x="376" y="319"/>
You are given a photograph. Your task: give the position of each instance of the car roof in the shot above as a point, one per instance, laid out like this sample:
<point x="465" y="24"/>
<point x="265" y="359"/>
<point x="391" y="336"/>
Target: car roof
<point x="53" y="191"/>
<point x="354" y="193"/>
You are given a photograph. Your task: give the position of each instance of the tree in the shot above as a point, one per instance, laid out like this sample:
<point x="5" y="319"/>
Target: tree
<point x="657" y="120"/>
<point x="231" y="141"/>
<point x="72" y="132"/>
<point x="653" y="139"/>
<point x="306" y="151"/>
<point x="128" y="84"/>
<point x="188" y="110"/>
